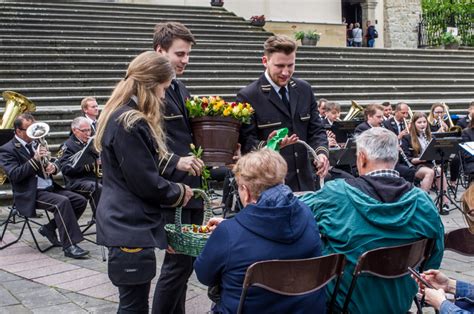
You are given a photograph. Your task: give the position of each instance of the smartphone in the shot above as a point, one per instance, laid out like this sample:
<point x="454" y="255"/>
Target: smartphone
<point x="418" y="276"/>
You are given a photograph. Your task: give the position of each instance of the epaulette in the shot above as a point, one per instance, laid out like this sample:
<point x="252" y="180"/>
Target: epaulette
<point x="292" y="83"/>
<point x="61" y="151"/>
<point x="266" y="88"/>
<point x="18" y="145"/>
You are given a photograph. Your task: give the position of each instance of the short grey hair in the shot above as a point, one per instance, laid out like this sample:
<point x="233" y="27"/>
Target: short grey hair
<point x="379" y="144"/>
<point x="78" y="121"/>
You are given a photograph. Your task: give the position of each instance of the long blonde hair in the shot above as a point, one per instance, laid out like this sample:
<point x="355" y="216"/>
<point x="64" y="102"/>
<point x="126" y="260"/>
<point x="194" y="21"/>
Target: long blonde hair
<point x="144" y="73"/>
<point x="431" y="118"/>
<point x="415" y="143"/>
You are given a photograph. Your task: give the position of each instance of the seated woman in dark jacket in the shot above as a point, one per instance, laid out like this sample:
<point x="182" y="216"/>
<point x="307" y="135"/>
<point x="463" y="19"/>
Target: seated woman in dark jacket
<point x="274" y="224"/>
<point x="468" y="136"/>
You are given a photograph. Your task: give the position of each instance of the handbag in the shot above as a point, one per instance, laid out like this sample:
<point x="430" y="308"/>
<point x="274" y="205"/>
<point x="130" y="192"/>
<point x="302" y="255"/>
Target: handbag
<point x="131" y="266"/>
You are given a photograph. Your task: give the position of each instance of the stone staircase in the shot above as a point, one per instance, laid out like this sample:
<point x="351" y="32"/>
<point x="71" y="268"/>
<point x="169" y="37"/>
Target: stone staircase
<point x="56" y="53"/>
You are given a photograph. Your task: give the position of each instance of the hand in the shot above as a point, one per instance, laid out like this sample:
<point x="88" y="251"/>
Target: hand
<point x="50" y="168"/>
<point x="332" y="142"/>
<point x="237" y="152"/>
<point x="190" y="164"/>
<point x="40" y="153"/>
<point x="435" y="297"/>
<point x="438" y="280"/>
<point x="287" y="140"/>
<point x="188" y="193"/>
<point x="402" y="133"/>
<point x="170" y="250"/>
<point x="214" y="222"/>
<point x="322" y="164"/>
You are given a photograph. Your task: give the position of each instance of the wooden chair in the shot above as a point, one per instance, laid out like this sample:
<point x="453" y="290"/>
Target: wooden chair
<point x="460" y="241"/>
<point x="390" y="262"/>
<point x="15" y="217"/>
<point x="294" y="277"/>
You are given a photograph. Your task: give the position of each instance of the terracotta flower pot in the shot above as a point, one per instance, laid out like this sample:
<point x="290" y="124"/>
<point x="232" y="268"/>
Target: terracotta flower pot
<point x="218" y="137"/>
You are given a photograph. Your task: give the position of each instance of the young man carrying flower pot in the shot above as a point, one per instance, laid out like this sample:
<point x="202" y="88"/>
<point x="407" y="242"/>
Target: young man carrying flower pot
<point x="280" y="101"/>
<point x="174" y="41"/>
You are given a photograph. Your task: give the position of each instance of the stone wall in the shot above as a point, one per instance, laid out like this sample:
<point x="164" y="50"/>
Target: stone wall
<point x="401" y="19"/>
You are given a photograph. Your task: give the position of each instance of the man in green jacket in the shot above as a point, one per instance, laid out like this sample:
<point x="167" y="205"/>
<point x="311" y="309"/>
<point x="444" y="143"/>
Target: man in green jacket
<point x="375" y="210"/>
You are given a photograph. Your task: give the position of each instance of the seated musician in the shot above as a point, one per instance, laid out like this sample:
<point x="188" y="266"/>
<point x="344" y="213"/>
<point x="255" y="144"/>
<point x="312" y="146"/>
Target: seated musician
<point x="377" y="209"/>
<point x="33" y="188"/>
<point x="373" y="118"/>
<point x="398" y="125"/>
<point x="272" y="225"/>
<point x="333" y="113"/>
<point x="90" y="110"/>
<point x="468" y="136"/>
<point x="464" y="122"/>
<point x="387" y="110"/>
<point x="413" y="145"/>
<point x="82" y="177"/>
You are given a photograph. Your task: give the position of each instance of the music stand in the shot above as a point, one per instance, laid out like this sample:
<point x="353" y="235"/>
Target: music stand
<point x="6" y="135"/>
<point x="348" y="155"/>
<point x="440" y="149"/>
<point x="344" y="129"/>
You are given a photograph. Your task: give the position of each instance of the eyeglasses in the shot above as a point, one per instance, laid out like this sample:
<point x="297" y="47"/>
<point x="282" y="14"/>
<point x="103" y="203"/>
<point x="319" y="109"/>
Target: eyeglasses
<point x="85" y="130"/>
<point x="438" y="112"/>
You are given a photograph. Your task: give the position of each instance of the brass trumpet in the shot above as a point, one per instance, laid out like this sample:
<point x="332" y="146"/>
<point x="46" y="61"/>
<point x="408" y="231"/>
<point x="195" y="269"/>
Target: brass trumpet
<point x="38" y="131"/>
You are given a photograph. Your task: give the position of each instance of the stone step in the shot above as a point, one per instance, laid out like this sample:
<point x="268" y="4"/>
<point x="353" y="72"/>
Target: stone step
<point x="46" y="74"/>
<point x="224" y="60"/>
<point x="13" y="48"/>
<point x="205" y="82"/>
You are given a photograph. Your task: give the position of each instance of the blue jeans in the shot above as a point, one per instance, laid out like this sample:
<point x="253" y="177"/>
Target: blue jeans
<point x="370" y="43"/>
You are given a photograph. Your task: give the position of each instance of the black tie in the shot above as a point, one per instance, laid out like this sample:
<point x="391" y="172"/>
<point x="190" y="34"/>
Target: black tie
<point x="29" y="146"/>
<point x="94" y="124"/>
<point x="284" y="99"/>
<point x="402" y="126"/>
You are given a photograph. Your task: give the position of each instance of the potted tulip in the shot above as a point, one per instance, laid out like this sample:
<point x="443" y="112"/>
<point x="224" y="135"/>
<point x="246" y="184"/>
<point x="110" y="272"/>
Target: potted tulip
<point x="308" y="38"/>
<point x="216" y="124"/>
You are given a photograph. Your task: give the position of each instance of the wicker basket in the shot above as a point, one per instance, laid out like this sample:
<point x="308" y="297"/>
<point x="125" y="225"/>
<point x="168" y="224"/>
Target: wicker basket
<point x="189" y="243"/>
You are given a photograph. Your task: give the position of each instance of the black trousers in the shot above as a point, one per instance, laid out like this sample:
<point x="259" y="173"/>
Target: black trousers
<point x="170" y="292"/>
<point x="134" y="299"/>
<point x="91" y="189"/>
<point x="67" y="208"/>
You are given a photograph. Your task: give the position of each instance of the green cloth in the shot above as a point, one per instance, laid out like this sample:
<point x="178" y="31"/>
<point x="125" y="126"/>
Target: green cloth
<point x="352" y="223"/>
<point x="274" y="142"/>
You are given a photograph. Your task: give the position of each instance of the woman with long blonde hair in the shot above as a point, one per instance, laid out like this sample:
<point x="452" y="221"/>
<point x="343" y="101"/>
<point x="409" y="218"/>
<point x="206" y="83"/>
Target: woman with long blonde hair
<point x="413" y="145"/>
<point x="131" y="141"/>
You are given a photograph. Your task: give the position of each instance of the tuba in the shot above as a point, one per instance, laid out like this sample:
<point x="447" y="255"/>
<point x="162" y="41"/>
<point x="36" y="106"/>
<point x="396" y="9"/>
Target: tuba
<point x="354" y="111"/>
<point x="38" y="131"/>
<point x="16" y="104"/>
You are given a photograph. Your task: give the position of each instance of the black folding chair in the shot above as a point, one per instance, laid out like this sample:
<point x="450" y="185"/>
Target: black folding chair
<point x="294" y="277"/>
<point x="390" y="262"/>
<point x="26" y="222"/>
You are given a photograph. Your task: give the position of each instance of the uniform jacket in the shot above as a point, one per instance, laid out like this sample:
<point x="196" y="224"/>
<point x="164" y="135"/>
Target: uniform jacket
<point x="391" y="124"/>
<point x="468" y="136"/>
<point x="364" y="126"/>
<point x="271" y="114"/>
<point x="464" y="122"/>
<point x="179" y="137"/>
<point x="83" y="172"/>
<point x="21" y="169"/>
<point x="134" y="192"/>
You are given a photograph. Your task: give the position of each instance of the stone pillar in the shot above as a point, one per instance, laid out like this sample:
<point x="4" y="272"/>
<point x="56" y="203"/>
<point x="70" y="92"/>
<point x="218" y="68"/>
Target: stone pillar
<point x="401" y="20"/>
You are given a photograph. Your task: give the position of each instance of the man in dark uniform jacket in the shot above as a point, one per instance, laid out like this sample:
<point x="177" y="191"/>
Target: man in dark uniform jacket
<point x="373" y="118"/>
<point x="33" y="187"/>
<point x="90" y="110"/>
<point x="82" y="177"/>
<point x="281" y="101"/>
<point x="174" y="40"/>
<point x="464" y="122"/>
<point x="396" y="124"/>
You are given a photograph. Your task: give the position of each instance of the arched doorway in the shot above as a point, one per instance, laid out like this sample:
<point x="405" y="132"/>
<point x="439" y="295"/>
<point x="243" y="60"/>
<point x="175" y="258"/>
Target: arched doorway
<point x="351" y="11"/>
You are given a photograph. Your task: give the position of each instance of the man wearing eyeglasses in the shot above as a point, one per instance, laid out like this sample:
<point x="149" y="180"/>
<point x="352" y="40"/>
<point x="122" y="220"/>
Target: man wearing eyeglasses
<point x="80" y="174"/>
<point x="34" y="188"/>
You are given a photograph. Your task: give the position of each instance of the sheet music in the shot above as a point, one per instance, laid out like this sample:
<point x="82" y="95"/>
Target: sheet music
<point x="469" y="147"/>
<point x="77" y="157"/>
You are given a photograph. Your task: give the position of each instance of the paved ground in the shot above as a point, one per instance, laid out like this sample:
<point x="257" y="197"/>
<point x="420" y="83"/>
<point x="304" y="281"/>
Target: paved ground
<point x="32" y="282"/>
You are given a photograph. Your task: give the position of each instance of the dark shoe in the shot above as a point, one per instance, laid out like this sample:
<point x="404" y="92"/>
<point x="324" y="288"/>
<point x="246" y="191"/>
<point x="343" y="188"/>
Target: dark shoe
<point x="50" y="235"/>
<point x="444" y="210"/>
<point x="75" y="251"/>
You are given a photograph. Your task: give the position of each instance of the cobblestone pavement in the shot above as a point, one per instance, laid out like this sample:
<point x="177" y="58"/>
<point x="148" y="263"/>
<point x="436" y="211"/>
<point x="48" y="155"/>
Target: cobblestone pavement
<point x="34" y="282"/>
